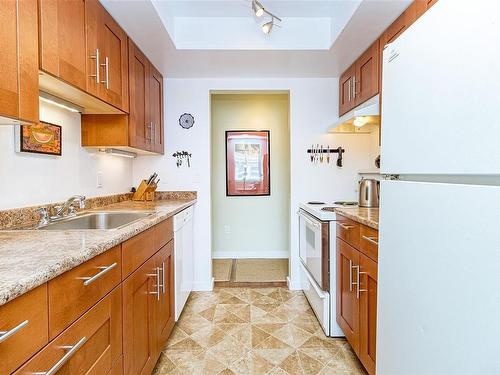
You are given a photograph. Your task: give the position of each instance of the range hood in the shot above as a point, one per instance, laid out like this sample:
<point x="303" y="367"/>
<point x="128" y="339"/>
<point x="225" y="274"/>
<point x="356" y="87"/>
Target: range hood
<point x="361" y="120"/>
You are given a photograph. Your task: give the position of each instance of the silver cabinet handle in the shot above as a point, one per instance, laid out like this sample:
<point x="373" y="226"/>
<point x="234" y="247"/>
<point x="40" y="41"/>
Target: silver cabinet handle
<point x="4" y="335"/>
<point x="373" y="240"/>
<point x="157" y="275"/>
<point x="97" y="66"/>
<point x="163" y="276"/>
<point x="354" y="87"/>
<point x="106" y="70"/>
<point x="358" y="281"/>
<point x="104" y="269"/>
<point x="350" y="275"/>
<point x="153" y="131"/>
<point x="71" y="351"/>
<point x="346" y="227"/>
<point x="349" y="89"/>
<point x="150" y="127"/>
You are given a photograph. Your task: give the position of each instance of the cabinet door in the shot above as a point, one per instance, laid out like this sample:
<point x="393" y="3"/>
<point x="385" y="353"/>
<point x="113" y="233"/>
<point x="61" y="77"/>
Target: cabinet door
<point x="347" y="301"/>
<point x="367" y="75"/>
<point x="62" y="40"/>
<point x="140" y="293"/>
<point x="165" y="317"/>
<point x="156" y="110"/>
<point x="91" y="345"/>
<point x="139" y="129"/>
<point x="346" y="98"/>
<point x="367" y="312"/>
<point x="19" y="67"/>
<point x="112" y="40"/>
<point x="94" y="54"/>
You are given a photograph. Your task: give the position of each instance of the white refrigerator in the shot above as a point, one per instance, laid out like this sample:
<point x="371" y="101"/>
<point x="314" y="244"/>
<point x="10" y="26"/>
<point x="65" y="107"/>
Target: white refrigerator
<point x="439" y="258"/>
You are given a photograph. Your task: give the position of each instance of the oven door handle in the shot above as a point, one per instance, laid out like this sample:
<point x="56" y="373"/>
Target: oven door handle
<point x="306" y="218"/>
<point x="320" y="293"/>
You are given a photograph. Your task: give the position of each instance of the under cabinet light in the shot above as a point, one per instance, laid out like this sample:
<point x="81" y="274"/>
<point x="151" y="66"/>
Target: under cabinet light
<point x="117" y="152"/>
<point x="61" y="103"/>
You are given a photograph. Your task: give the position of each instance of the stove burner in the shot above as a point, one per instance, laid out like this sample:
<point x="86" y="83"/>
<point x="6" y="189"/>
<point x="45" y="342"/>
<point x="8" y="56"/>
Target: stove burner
<point x="315" y="202"/>
<point x="346" y="203"/>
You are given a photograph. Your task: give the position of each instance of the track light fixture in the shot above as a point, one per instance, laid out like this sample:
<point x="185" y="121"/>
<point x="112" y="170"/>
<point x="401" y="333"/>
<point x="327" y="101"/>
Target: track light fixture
<point x="257" y="8"/>
<point x="259" y="11"/>
<point x="268" y="26"/>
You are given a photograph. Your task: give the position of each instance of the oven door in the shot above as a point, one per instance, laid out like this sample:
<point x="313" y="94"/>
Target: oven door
<point x="314" y="247"/>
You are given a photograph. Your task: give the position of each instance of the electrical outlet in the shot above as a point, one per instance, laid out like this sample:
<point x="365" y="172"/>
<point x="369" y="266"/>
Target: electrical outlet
<point x="227" y="229"/>
<point x="99" y="179"/>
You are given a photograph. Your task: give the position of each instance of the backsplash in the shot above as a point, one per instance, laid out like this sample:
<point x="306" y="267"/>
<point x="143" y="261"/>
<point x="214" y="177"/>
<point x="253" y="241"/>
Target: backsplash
<point x="29" y="217"/>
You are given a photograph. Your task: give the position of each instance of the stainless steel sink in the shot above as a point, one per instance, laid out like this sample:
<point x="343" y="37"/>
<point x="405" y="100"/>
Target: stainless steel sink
<point x="98" y="220"/>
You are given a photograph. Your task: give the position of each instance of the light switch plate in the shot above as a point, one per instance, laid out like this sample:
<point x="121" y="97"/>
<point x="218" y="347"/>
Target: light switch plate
<point x="99" y="179"/>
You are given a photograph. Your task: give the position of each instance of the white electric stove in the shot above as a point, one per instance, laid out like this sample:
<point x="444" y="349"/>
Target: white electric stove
<point x="317" y="252"/>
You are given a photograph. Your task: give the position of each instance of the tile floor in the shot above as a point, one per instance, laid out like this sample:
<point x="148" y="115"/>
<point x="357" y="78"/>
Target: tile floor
<point x="253" y="331"/>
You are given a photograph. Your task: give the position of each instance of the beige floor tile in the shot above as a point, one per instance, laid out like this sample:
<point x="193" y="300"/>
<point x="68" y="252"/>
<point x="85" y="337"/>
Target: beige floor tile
<point x="265" y="331"/>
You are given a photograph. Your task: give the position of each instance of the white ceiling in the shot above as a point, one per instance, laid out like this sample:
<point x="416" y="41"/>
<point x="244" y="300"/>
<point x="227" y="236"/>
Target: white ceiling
<point x="187" y="39"/>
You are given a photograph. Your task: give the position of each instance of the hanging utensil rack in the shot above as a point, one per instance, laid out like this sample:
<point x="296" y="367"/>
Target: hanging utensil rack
<point x="317" y="154"/>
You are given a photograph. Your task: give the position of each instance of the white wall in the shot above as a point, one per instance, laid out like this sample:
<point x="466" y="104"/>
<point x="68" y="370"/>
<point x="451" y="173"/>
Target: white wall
<point x="251" y="227"/>
<point x="313" y="107"/>
<point x="31" y="179"/>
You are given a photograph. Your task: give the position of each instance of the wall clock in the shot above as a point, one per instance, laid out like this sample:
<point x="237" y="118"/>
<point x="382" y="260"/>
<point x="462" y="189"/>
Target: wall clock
<point x="186" y="120"/>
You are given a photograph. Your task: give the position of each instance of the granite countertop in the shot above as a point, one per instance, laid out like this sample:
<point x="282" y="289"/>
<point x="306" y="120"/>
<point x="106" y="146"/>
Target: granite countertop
<point x="366" y="216"/>
<point x="30" y="258"/>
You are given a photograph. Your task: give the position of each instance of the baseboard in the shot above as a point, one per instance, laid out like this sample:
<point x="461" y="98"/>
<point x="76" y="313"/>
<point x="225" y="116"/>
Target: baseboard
<point x="204" y="287"/>
<point x="280" y="254"/>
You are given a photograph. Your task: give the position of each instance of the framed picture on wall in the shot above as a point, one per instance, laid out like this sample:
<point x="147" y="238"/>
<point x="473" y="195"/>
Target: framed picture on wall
<point x="247" y="163"/>
<point x="41" y="138"/>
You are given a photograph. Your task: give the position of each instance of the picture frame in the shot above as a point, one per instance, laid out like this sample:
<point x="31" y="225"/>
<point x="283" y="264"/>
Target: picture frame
<point x="248" y="161"/>
<point x="41" y="138"/>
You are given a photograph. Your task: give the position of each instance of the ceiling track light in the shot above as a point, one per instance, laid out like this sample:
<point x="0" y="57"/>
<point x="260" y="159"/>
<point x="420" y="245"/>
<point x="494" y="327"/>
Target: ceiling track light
<point x="259" y="11"/>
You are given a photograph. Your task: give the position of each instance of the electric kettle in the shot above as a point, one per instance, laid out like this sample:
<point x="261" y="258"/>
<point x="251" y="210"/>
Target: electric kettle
<point x="369" y="193"/>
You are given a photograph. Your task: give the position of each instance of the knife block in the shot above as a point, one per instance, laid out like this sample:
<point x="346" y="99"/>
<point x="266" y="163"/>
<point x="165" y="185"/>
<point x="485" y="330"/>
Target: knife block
<point x="145" y="192"/>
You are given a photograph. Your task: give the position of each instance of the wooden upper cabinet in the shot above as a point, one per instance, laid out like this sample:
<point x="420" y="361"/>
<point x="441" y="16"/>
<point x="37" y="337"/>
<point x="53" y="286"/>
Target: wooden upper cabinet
<point x="366" y="79"/>
<point x="367" y="312"/>
<point x="114" y="62"/>
<point x="19" y="67"/>
<point x="146" y="102"/>
<point x="140" y="132"/>
<point x="347" y="301"/>
<point x="106" y="57"/>
<point x="156" y="110"/>
<point x="62" y="40"/>
<point x="361" y="81"/>
<point x="346" y="97"/>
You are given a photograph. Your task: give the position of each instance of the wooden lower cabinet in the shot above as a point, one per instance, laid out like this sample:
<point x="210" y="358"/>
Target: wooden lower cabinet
<point x="91" y="345"/>
<point x="347" y="302"/>
<point x="367" y="312"/>
<point x="148" y="311"/>
<point x="165" y="312"/>
<point x="140" y="300"/>
<point x="94" y="319"/>
<point x="24" y="323"/>
<point x="357" y="294"/>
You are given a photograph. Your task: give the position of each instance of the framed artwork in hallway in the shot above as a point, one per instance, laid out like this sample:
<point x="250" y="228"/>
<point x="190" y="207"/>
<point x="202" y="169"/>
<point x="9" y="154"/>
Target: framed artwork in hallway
<point x="248" y="163"/>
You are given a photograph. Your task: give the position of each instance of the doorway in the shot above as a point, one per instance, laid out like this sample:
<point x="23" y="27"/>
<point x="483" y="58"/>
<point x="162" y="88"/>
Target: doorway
<point x="250" y="228"/>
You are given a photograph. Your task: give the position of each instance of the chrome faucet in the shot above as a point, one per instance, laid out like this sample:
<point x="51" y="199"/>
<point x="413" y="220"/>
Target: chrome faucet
<point x="68" y="206"/>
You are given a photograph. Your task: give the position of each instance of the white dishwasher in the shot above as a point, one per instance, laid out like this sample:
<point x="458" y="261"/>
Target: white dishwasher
<point x="183" y="258"/>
